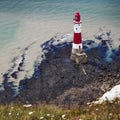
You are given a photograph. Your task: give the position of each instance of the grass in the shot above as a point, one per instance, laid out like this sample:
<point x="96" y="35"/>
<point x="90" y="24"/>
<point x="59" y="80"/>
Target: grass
<point x="104" y="111"/>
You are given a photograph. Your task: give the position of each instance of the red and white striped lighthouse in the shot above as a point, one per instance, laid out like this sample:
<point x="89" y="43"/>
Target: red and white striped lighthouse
<point x="77" y="54"/>
<point x="77" y="38"/>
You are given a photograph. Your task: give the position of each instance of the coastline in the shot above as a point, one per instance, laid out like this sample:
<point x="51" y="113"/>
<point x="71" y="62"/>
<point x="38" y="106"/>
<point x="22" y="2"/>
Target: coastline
<point x="57" y="80"/>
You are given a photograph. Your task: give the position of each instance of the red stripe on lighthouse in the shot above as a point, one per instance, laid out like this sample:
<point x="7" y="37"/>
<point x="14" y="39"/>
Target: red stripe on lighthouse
<point x="77" y="38"/>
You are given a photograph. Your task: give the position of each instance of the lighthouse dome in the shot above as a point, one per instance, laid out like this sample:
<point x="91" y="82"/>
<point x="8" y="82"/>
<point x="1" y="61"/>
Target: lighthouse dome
<point x="77" y="18"/>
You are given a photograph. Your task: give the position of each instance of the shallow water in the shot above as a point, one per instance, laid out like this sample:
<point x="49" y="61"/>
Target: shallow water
<point x="29" y="23"/>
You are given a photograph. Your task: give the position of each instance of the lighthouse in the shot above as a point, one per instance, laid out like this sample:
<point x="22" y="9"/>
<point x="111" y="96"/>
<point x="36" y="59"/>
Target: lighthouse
<point x="77" y="53"/>
<point x="77" y="38"/>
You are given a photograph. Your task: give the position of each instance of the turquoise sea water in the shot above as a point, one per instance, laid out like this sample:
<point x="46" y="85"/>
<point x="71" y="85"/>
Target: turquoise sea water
<point x="99" y="11"/>
<point x="26" y="23"/>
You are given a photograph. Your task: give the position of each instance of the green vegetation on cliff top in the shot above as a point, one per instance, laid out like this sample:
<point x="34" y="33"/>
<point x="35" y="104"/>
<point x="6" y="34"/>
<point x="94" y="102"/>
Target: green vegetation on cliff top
<point x="104" y="111"/>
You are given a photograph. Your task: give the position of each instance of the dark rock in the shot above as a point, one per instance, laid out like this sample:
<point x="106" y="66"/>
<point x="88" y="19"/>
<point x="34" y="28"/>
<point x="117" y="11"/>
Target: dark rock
<point x="58" y="80"/>
<point x="14" y="74"/>
<point x="64" y="83"/>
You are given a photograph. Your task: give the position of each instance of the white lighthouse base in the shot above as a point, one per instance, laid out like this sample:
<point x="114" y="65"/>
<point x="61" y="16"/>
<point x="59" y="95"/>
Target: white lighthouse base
<point x="77" y="46"/>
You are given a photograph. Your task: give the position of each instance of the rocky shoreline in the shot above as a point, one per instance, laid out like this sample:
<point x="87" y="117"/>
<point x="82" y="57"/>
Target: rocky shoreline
<point x="58" y="80"/>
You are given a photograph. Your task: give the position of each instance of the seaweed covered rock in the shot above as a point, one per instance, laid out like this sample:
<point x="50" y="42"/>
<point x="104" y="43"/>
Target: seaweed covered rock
<point x="65" y="83"/>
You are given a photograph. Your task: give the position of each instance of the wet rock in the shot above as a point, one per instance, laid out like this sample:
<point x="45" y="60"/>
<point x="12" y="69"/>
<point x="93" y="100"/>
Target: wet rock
<point x="14" y="74"/>
<point x="58" y="80"/>
<point x="65" y="83"/>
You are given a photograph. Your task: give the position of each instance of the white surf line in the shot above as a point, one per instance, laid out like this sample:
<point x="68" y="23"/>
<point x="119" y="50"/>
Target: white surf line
<point x="62" y="38"/>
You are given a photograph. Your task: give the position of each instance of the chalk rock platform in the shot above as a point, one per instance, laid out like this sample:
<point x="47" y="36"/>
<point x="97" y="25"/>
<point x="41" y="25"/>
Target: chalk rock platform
<point x="58" y="80"/>
<point x="65" y="83"/>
